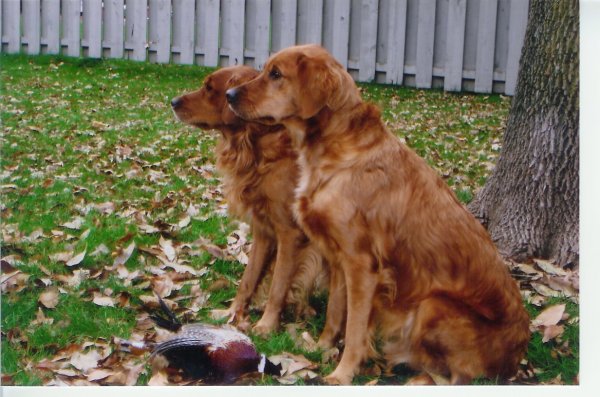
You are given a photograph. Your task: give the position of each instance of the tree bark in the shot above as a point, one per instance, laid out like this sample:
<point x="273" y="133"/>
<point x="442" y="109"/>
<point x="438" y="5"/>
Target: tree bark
<point x="530" y="203"/>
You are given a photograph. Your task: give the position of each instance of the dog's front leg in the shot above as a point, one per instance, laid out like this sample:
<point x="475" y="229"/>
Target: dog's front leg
<point x="260" y="253"/>
<point x="361" y="283"/>
<point x="336" y="307"/>
<point x="285" y="265"/>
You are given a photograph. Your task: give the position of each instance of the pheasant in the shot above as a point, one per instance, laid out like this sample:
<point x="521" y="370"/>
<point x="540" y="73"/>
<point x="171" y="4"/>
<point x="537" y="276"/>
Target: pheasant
<point x="202" y="351"/>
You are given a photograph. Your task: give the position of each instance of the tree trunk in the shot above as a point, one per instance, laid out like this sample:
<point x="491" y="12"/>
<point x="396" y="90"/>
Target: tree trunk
<point x="530" y="203"/>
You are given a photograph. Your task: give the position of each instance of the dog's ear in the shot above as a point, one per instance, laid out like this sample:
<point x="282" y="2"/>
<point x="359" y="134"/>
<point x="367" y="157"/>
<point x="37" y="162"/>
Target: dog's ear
<point x="344" y="92"/>
<point x="314" y="88"/>
<point x="324" y="82"/>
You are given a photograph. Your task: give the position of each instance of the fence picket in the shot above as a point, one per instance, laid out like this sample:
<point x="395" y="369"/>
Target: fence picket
<point x="455" y="44"/>
<point x="484" y="64"/>
<point x="396" y="39"/>
<point x="71" y="27"/>
<point x="207" y="33"/>
<point x="160" y="30"/>
<point x="284" y="24"/>
<point x="136" y="41"/>
<point x="257" y="31"/>
<point x="92" y="28"/>
<point x="425" y="42"/>
<point x="516" y="35"/>
<point x="368" y="42"/>
<point x="12" y="26"/>
<point x="50" y="39"/>
<point x="183" y="31"/>
<point x="232" y="32"/>
<point x="31" y="26"/>
<point x="310" y="22"/>
<point x="113" y="28"/>
<point x="336" y="29"/>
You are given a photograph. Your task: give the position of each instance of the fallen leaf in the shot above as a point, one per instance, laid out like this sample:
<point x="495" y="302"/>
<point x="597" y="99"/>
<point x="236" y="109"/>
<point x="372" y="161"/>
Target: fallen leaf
<point x="549" y="267"/>
<point x="74" y="224"/>
<point x="184" y="222"/>
<point x="309" y="343"/>
<point x="549" y="316"/>
<point x="123" y="255"/>
<point x="85" y="361"/>
<point x="100" y="250"/>
<point x="67" y="372"/>
<point x="41" y="319"/>
<point x="61" y="257"/>
<point x="98" y="373"/>
<point x="163" y="286"/>
<point x="551" y="332"/>
<point x="76" y="260"/>
<point x="102" y="300"/>
<point x="159" y="378"/>
<point x="105" y="208"/>
<point x="545" y="290"/>
<point x="99" y="125"/>
<point x="167" y="248"/>
<point x="49" y="298"/>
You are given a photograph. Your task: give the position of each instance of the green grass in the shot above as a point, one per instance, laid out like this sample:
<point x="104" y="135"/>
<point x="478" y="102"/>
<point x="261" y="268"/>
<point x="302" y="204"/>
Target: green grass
<point x="78" y="134"/>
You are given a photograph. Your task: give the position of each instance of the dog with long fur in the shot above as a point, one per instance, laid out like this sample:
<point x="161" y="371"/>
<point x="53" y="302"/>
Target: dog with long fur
<point x="406" y="257"/>
<point x="260" y="173"/>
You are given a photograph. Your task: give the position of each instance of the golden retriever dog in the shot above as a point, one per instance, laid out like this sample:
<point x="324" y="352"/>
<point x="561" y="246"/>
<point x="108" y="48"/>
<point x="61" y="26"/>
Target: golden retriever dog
<point x="260" y="173"/>
<point x="408" y="261"/>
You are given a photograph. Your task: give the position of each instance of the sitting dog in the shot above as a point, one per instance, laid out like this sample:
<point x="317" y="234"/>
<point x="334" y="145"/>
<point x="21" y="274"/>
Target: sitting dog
<point x="406" y="257"/>
<point x="260" y="173"/>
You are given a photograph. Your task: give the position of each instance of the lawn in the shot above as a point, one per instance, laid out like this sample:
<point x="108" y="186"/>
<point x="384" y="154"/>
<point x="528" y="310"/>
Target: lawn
<point x="105" y="198"/>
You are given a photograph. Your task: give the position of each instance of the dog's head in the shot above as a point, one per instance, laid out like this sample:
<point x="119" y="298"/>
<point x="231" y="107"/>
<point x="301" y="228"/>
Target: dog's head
<point x="207" y="108"/>
<point x="296" y="82"/>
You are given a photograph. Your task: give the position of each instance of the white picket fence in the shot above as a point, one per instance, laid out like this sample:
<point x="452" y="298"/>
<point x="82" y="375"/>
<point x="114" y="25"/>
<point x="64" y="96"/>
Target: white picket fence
<point x="470" y="45"/>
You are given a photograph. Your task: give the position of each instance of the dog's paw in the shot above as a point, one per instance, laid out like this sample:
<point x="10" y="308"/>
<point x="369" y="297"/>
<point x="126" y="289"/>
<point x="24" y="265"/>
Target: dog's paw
<point x="338" y="378"/>
<point x="326" y="341"/>
<point x="264" y="327"/>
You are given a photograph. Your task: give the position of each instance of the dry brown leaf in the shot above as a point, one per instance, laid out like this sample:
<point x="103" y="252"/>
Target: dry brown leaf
<point x="105" y="208"/>
<point x="184" y="222"/>
<point x="100" y="250"/>
<point x="98" y="125"/>
<point x="74" y="224"/>
<point x="67" y="372"/>
<point x="14" y="281"/>
<point x="549" y="267"/>
<point x="167" y="248"/>
<point x="544" y="290"/>
<point x="49" y="298"/>
<point x="98" y="373"/>
<point x="123" y="255"/>
<point x="551" y="332"/>
<point x="309" y="343"/>
<point x="40" y="318"/>
<point x="85" y="361"/>
<point x="61" y="257"/>
<point x="102" y="300"/>
<point x="163" y="285"/>
<point x="549" y="316"/>
<point x="159" y="378"/>
<point x="76" y="260"/>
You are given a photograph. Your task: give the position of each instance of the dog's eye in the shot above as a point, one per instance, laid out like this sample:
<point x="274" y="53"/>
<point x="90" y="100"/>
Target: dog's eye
<point x="275" y="74"/>
<point x="208" y="87"/>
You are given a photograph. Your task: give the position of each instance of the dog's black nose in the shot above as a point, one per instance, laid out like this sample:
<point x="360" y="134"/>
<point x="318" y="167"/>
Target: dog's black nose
<point x="176" y="102"/>
<point x="231" y="95"/>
